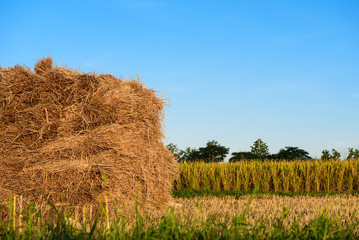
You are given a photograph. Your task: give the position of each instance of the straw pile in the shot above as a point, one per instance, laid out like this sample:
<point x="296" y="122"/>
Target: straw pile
<point x="60" y="129"/>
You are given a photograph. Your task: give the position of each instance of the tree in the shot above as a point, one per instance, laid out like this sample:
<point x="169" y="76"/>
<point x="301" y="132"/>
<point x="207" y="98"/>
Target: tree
<point x="213" y="152"/>
<point x="353" y="153"/>
<point x="291" y="153"/>
<point x="190" y="154"/>
<point x="325" y="155"/>
<point x="260" y="149"/>
<point x="240" y="156"/>
<point x="335" y="154"/>
<point x="175" y="151"/>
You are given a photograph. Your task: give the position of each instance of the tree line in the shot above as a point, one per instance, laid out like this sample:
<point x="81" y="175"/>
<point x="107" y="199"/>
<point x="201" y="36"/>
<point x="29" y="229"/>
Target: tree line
<point x="215" y="152"/>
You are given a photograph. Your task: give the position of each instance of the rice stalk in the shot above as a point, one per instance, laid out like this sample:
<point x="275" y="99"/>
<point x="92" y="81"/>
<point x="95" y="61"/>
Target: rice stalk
<point x="283" y="176"/>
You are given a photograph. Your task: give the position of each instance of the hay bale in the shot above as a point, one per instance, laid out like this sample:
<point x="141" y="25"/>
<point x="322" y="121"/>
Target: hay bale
<point x="60" y="129"/>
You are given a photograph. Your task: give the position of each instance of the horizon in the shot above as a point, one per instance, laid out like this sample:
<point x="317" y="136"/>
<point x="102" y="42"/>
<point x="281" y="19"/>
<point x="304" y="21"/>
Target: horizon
<point x="285" y="72"/>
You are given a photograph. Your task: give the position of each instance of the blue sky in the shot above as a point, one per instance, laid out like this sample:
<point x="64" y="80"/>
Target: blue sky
<point x="234" y="71"/>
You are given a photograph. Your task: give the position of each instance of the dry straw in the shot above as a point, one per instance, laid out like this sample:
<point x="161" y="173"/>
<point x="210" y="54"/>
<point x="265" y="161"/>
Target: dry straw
<point x="60" y="129"/>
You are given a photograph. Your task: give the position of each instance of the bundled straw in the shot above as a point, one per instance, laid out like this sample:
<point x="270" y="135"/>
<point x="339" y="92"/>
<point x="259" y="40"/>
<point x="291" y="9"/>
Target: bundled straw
<point x="61" y="129"/>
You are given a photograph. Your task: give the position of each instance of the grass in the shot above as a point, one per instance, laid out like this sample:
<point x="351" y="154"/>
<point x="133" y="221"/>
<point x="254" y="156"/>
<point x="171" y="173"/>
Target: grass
<point x="34" y="225"/>
<point x="168" y="228"/>
<point x="282" y="177"/>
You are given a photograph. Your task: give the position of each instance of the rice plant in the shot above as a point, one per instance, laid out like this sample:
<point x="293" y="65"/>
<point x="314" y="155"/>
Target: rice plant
<point x="284" y="176"/>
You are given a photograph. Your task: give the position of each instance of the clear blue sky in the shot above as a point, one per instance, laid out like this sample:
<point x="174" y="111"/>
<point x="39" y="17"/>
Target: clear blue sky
<point x="234" y="71"/>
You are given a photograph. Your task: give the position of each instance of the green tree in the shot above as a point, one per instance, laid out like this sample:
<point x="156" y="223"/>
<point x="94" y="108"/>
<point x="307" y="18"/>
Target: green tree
<point x="291" y="153"/>
<point x="325" y="155"/>
<point x="353" y="153"/>
<point x="190" y="154"/>
<point x="240" y="156"/>
<point x="335" y="154"/>
<point x="213" y="152"/>
<point x="175" y="151"/>
<point x="260" y="149"/>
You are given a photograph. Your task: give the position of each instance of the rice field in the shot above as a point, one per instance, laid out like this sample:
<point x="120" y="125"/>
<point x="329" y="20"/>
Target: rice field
<point x="256" y="214"/>
<point x="269" y="176"/>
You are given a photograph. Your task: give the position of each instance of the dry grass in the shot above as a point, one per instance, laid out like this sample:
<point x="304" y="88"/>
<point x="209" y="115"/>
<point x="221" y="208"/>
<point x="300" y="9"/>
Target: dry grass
<point x="60" y="129"/>
<point x="303" y="209"/>
<point x="266" y="211"/>
<point x="209" y="218"/>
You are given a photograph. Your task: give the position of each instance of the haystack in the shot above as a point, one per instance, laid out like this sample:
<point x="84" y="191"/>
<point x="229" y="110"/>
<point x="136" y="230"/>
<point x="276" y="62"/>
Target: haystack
<point x="62" y="131"/>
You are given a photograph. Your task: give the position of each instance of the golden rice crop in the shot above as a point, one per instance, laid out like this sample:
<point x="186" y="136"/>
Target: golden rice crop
<point x="283" y="176"/>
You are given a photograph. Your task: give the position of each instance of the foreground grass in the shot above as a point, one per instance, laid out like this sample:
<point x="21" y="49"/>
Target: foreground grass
<point x="249" y="217"/>
<point x="168" y="227"/>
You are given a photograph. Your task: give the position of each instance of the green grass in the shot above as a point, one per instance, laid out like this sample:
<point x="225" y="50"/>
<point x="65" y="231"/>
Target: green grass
<point x="169" y="226"/>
